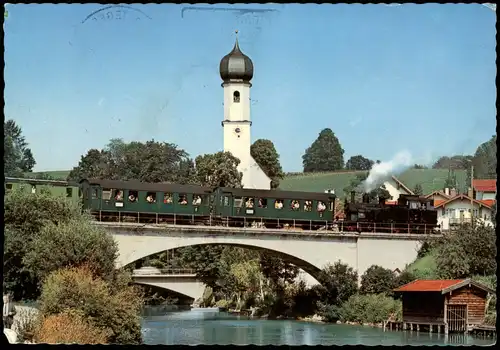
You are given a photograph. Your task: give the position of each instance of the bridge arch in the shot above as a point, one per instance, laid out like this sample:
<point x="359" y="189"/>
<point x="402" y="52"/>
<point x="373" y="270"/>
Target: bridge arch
<point x="304" y="253"/>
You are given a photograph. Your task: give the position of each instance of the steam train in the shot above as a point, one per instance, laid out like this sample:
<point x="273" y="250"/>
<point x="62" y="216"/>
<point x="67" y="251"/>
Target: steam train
<point x="134" y="201"/>
<point x="410" y="214"/>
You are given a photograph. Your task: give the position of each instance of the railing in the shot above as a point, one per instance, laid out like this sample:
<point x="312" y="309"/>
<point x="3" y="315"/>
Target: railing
<point x="150" y="271"/>
<point x="280" y="224"/>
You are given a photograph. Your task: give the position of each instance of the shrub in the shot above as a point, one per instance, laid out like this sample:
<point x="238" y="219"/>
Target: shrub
<point x="69" y="327"/>
<point x="114" y="306"/>
<point x="371" y="308"/>
<point x="72" y="243"/>
<point x="377" y="280"/>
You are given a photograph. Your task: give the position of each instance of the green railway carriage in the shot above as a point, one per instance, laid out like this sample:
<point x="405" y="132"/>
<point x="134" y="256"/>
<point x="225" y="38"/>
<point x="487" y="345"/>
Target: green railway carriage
<point x="56" y="188"/>
<point x="150" y="202"/>
<point x="275" y="209"/>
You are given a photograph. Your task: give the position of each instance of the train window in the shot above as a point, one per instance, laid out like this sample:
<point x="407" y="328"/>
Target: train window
<point x="182" y="199"/>
<point x="197" y="200"/>
<point x="33" y="188"/>
<point x="133" y="196"/>
<point x="151" y="197"/>
<point x="106" y="194"/>
<point x="308" y="206"/>
<point x="94" y="193"/>
<point x="321" y="207"/>
<point x="69" y="192"/>
<point x="295" y="205"/>
<point x="278" y="204"/>
<point x="118" y="195"/>
<point x="238" y="201"/>
<point x="262" y="203"/>
<point x="8" y="186"/>
<point x="331" y="205"/>
<point x="167" y="198"/>
<point x="249" y="203"/>
<point x="361" y="215"/>
<point x="226" y="201"/>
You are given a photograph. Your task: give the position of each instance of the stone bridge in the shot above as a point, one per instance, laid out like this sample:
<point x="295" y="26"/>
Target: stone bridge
<point x="309" y="250"/>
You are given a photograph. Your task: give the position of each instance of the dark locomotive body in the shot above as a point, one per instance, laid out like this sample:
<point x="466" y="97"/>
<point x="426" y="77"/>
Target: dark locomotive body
<point x="411" y="214"/>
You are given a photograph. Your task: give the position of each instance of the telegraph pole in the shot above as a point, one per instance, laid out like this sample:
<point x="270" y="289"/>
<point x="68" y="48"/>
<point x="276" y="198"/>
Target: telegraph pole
<point x="472" y="194"/>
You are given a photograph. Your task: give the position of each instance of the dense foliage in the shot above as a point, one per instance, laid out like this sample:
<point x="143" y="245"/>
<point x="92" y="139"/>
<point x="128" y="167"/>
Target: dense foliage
<point x="324" y="154"/>
<point x="418" y="190"/>
<point x="370" y="308"/>
<point x="377" y="280"/>
<point x="359" y="163"/>
<point x="69" y="327"/>
<point x="17" y="157"/>
<point x="485" y="160"/>
<point x="265" y="154"/>
<point x="111" y="307"/>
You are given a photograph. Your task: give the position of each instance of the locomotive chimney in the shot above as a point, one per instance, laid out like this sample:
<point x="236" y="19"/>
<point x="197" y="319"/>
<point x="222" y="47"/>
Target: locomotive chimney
<point x="366" y="198"/>
<point x="353" y="196"/>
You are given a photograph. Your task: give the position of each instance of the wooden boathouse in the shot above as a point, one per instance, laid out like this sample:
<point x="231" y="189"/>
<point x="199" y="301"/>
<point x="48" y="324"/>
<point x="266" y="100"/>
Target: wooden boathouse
<point x="444" y="305"/>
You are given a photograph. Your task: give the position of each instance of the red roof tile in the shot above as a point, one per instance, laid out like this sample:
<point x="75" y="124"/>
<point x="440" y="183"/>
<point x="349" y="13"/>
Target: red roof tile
<point x="427" y="285"/>
<point x="488" y="202"/>
<point x="485" y="185"/>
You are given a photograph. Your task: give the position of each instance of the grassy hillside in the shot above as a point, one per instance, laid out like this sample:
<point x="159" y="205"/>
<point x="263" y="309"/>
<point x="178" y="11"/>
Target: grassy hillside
<point x="56" y="174"/>
<point x="430" y="180"/>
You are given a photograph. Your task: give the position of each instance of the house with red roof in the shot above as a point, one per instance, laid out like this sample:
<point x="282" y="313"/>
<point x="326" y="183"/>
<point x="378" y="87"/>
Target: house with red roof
<point x="448" y="305"/>
<point x="485" y="189"/>
<point x="461" y="208"/>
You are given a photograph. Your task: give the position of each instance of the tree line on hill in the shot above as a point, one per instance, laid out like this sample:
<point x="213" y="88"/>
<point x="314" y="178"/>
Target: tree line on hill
<point x="324" y="154"/>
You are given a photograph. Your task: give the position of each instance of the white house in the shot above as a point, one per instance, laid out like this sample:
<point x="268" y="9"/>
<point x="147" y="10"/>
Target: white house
<point x="395" y="187"/>
<point x="236" y="72"/>
<point x="457" y="210"/>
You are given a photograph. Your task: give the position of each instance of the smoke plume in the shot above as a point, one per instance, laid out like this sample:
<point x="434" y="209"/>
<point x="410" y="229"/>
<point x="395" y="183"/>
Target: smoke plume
<point x="380" y="172"/>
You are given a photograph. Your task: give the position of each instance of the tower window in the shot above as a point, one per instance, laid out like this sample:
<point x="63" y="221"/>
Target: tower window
<point x="236" y="97"/>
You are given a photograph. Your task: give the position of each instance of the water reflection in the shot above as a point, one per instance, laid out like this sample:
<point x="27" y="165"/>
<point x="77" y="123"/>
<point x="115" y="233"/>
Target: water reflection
<point x="196" y="327"/>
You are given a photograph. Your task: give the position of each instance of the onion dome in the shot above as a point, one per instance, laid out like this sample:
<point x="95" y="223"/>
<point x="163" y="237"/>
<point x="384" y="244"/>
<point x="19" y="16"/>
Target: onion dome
<point x="236" y="66"/>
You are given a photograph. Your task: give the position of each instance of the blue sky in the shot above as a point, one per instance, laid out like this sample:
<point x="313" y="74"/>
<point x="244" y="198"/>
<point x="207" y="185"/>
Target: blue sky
<point x="383" y="78"/>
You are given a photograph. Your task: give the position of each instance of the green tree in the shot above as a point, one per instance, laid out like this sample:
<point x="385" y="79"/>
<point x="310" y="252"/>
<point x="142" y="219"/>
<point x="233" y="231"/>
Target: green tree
<point x="338" y="282"/>
<point x="404" y="277"/>
<point x="17" y="157"/>
<point x="471" y="250"/>
<point x="219" y="169"/>
<point x="419" y="166"/>
<point x="325" y="153"/>
<point x="25" y="216"/>
<point x="377" y="280"/>
<point x="73" y="243"/>
<point x="485" y="160"/>
<point x="265" y="154"/>
<point x="147" y="162"/>
<point x="451" y="180"/>
<point x="359" y="163"/>
<point x="418" y="190"/>
<point x="456" y="162"/>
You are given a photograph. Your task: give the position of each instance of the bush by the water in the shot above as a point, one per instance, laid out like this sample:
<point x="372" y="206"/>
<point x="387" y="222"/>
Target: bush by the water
<point x="370" y="308"/>
<point x="377" y="280"/>
<point x="69" y="327"/>
<point x="110" y="307"/>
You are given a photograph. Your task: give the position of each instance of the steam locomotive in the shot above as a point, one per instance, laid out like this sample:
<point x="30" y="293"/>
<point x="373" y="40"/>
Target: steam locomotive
<point x="410" y="214"/>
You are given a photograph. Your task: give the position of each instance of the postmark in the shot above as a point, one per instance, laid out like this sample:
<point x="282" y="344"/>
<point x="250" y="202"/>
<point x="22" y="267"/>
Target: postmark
<point x="116" y="13"/>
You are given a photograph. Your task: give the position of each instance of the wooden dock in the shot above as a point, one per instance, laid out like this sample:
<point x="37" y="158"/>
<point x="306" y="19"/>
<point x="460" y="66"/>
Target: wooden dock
<point x="484" y="330"/>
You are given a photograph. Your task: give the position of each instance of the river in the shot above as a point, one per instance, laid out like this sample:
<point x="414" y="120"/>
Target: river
<point x="208" y="328"/>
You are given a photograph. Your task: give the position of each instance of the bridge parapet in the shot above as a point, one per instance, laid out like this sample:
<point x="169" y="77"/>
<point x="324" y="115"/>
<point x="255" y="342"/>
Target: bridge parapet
<point x="160" y="229"/>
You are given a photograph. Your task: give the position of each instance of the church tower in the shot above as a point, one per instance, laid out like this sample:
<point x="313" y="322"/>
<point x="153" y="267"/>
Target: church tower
<point x="236" y="71"/>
